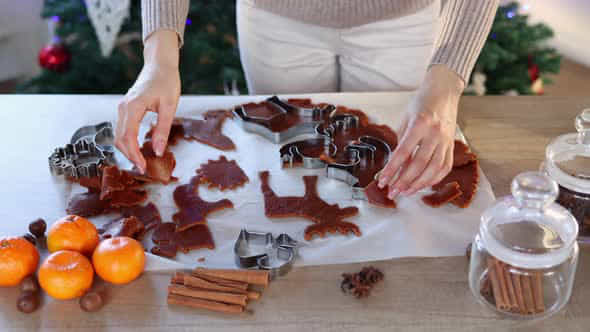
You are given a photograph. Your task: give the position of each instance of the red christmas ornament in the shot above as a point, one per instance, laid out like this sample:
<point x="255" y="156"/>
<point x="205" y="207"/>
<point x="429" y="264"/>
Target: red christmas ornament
<point x="533" y="69"/>
<point x="54" y="57"/>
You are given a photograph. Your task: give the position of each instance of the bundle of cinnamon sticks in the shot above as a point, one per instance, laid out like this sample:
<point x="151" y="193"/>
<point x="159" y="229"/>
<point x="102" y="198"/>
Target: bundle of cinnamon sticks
<point x="514" y="289"/>
<point x="216" y="289"/>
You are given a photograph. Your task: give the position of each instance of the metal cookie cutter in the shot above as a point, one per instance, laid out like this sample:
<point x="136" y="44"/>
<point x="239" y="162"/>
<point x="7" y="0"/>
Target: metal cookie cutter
<point x="90" y="147"/>
<point x="364" y="158"/>
<point x="306" y="120"/>
<point x="262" y="250"/>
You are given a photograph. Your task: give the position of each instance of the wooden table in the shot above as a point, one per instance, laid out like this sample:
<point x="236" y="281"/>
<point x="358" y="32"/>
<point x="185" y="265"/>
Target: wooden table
<point x="508" y="133"/>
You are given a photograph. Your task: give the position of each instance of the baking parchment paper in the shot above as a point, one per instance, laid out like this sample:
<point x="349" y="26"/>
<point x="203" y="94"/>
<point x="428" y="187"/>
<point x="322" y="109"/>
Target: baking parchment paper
<point x="412" y="229"/>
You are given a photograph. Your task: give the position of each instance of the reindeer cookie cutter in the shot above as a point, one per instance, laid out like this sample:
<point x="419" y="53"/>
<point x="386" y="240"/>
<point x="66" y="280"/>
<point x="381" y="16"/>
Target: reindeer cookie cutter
<point x="90" y="148"/>
<point x="262" y="250"/>
<point x="272" y="127"/>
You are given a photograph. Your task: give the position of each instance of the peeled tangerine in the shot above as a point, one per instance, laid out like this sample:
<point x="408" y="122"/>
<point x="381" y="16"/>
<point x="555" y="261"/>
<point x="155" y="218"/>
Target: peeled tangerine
<point x="119" y="260"/>
<point x="66" y="274"/>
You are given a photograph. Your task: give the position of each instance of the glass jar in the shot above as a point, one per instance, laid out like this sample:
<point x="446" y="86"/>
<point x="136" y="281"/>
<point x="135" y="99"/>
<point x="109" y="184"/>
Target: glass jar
<point x="524" y="257"/>
<point x="567" y="161"/>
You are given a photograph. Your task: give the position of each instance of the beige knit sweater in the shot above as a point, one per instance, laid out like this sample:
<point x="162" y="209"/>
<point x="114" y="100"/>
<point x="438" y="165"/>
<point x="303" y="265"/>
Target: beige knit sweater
<point x="466" y="23"/>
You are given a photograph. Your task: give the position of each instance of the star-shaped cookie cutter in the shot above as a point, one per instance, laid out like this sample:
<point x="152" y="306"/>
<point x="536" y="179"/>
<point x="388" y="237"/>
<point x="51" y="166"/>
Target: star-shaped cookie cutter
<point x="90" y="148"/>
<point x="275" y="127"/>
<point x="262" y="250"/>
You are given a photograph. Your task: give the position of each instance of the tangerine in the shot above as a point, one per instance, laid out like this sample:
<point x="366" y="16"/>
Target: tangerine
<point x="119" y="260"/>
<point x="18" y="259"/>
<point x="72" y="233"/>
<point x="66" y="274"/>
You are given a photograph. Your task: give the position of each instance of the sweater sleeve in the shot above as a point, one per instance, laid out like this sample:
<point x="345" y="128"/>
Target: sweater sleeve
<point x="164" y="14"/>
<point x="465" y="27"/>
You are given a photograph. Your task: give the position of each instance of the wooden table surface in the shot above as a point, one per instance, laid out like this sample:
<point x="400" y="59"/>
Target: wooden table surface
<point x="508" y="133"/>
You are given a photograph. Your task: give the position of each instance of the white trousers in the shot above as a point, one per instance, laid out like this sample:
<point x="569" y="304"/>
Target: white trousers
<point x="280" y="55"/>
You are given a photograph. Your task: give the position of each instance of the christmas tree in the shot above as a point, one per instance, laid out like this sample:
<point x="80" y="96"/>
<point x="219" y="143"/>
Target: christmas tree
<point x="74" y="63"/>
<point x="515" y="58"/>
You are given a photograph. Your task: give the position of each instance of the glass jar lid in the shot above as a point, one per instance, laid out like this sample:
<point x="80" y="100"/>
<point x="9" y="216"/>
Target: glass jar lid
<point x="528" y="229"/>
<point x="568" y="156"/>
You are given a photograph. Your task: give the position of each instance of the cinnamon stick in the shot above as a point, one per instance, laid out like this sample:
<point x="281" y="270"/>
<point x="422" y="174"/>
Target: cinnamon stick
<point x="511" y="291"/>
<point x="221" y="281"/>
<point x="518" y="291"/>
<point x="231" y="298"/>
<point x="527" y="290"/>
<point x="193" y="281"/>
<point x="537" y="285"/>
<point x="177" y="278"/>
<point x="253" y="295"/>
<point x="493" y="276"/>
<point x="256" y="277"/>
<point x="502" y="283"/>
<point x="204" y="304"/>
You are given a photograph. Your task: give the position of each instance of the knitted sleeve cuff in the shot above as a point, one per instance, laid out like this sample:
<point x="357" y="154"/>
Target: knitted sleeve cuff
<point x="164" y="14"/>
<point x="466" y="24"/>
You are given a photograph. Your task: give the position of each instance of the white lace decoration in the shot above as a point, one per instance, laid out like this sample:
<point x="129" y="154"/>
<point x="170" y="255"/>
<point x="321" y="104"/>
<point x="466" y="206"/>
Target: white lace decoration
<point x="107" y="17"/>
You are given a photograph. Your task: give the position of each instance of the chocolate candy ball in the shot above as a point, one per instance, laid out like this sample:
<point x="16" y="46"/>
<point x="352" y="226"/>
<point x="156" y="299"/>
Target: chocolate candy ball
<point x="28" y="302"/>
<point x="38" y="227"/>
<point x="29" y="284"/>
<point x="30" y="238"/>
<point x="91" y="301"/>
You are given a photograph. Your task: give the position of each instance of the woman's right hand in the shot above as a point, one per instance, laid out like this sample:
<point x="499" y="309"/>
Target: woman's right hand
<point x="156" y="89"/>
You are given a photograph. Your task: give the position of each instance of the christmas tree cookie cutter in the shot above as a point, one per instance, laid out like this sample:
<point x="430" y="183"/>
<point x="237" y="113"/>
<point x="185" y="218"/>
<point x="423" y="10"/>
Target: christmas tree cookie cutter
<point x="364" y="157"/>
<point x="90" y="148"/>
<point x="278" y="121"/>
<point x="263" y="251"/>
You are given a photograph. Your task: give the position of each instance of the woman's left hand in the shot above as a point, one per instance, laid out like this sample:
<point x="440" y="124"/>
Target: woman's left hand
<point x="424" y="154"/>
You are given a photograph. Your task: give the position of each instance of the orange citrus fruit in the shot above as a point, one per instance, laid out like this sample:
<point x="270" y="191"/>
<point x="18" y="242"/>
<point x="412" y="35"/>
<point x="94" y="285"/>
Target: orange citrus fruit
<point x="72" y="233"/>
<point x="66" y="274"/>
<point x="119" y="259"/>
<point x="18" y="259"/>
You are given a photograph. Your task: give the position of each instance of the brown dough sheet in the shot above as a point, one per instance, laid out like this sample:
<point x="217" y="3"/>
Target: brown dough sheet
<point x="467" y="177"/>
<point x="88" y="204"/>
<point x="206" y="131"/>
<point x="168" y="239"/>
<point x="130" y="227"/>
<point x="444" y="195"/>
<point x="127" y="198"/>
<point x="328" y="218"/>
<point x="148" y="215"/>
<point x="461" y="154"/>
<point x="222" y="174"/>
<point x="193" y="209"/>
<point x="378" y="197"/>
<point x="158" y="169"/>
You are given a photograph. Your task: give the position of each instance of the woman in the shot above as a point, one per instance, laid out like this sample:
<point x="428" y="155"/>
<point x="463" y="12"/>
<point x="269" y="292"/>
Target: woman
<point x="304" y="46"/>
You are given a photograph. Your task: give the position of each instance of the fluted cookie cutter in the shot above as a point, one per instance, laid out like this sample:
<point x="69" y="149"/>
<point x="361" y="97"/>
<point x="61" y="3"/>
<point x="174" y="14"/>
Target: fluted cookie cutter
<point x="364" y="158"/>
<point x="90" y="148"/>
<point x="288" y="122"/>
<point x="263" y="251"/>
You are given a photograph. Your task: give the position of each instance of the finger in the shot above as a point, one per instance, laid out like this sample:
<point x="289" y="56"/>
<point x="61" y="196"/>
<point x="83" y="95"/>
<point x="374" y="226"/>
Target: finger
<point x="391" y="191"/>
<point x="432" y="171"/>
<point x="133" y="115"/>
<point x="119" y="129"/>
<point x="415" y="167"/>
<point x="401" y="153"/>
<point x="166" y="112"/>
<point x="447" y="166"/>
